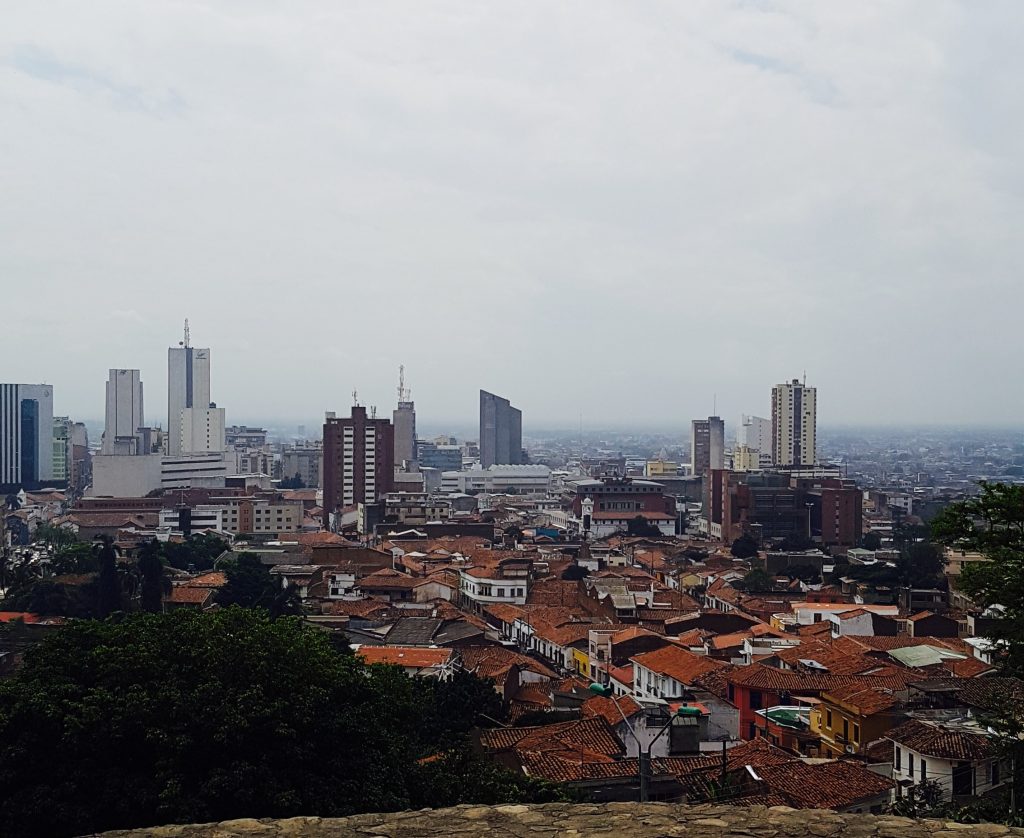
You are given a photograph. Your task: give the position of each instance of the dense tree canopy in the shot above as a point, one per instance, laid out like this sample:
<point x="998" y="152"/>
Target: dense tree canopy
<point x="744" y="547"/>
<point x="189" y="717"/>
<point x="251" y="586"/>
<point x="993" y="524"/>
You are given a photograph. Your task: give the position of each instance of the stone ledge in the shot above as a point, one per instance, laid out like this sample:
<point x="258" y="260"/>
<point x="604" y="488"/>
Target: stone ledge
<point x="629" y="820"/>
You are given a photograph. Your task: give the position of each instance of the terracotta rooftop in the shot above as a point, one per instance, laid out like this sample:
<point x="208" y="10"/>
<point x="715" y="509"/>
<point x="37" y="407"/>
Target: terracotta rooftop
<point x="599" y="705"/>
<point x="187" y="594"/>
<point x="935" y="739"/>
<point x="827" y="785"/>
<point x="682" y="665"/>
<point x="866" y="700"/>
<point x="409" y="656"/>
<point x="496" y="661"/>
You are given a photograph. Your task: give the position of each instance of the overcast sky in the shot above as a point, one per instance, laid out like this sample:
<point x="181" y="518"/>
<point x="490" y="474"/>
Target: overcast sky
<point x="620" y="209"/>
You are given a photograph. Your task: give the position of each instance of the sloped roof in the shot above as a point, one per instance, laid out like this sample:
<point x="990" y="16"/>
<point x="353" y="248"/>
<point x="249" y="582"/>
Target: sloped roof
<point x="827" y="785"/>
<point x="681" y="664"/>
<point x="413" y="631"/>
<point x="865" y="699"/>
<point x="935" y="739"/>
<point x="410" y="656"/>
<point x="600" y="705"/>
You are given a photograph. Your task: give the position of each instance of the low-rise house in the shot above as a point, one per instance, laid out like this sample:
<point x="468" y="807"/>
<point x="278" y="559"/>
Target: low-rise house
<point x="930" y="624"/>
<point x="957" y="754"/>
<point x="788" y="726"/>
<point x="415" y="661"/>
<point x="390" y="585"/>
<point x="757" y="773"/>
<point x="849" y="718"/>
<point x="670" y="672"/>
<point x="587" y="754"/>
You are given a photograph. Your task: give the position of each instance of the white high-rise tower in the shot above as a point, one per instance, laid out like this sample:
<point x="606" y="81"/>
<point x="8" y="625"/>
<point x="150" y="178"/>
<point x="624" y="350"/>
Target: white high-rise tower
<point x="188" y="386"/>
<point x="794" y="424"/>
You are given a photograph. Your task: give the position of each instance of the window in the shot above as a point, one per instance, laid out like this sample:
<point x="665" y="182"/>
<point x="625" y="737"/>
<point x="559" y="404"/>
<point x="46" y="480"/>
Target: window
<point x="755" y="700"/>
<point x="856" y="733"/>
<point x="924" y="770"/>
<point x="828" y="719"/>
<point x="846" y="729"/>
<point x="910" y="765"/>
<point x="899" y="759"/>
<point x="995" y="772"/>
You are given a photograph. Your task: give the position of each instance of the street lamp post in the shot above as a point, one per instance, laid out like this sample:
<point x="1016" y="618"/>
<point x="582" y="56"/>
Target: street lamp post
<point x="644" y="753"/>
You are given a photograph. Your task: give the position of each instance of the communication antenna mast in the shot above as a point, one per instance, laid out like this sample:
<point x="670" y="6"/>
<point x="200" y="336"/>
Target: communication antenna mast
<point x="403" y="394"/>
<point x="373" y="411"/>
<point x="355" y="398"/>
<point x="186" y="334"/>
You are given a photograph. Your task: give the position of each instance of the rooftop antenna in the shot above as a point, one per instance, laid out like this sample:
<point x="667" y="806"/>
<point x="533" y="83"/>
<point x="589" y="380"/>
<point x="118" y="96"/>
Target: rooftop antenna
<point x="805" y="378"/>
<point x="355" y="398"/>
<point x="185" y="342"/>
<point x="373" y="411"/>
<point x="714" y="404"/>
<point x="403" y="394"/>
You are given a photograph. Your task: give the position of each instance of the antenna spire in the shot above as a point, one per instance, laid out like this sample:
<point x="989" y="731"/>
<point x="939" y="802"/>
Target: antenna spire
<point x="403" y="394"/>
<point x="186" y="343"/>
<point x="355" y="398"/>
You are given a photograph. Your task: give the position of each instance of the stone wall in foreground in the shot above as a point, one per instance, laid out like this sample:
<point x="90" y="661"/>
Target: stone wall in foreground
<point x="555" y="820"/>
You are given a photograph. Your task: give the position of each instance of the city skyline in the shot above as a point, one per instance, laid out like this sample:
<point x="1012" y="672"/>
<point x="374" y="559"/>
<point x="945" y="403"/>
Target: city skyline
<point x="826" y="172"/>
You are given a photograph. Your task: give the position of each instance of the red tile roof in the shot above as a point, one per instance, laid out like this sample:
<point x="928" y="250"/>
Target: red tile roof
<point x="864" y="699"/>
<point x="410" y="656"/>
<point x="827" y="785"/>
<point x="934" y="739"/>
<point x="186" y="594"/>
<point x="496" y="661"/>
<point x="599" y="705"/>
<point x="682" y="665"/>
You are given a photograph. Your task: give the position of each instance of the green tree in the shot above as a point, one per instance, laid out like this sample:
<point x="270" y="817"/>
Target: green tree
<point x="197" y="552"/>
<point x="871" y="541"/>
<point x="757" y="581"/>
<point x="77" y="557"/>
<point x="56" y="538"/>
<point x="108" y="584"/>
<point x="151" y="569"/>
<point x="992" y="524"/>
<point x="744" y="547"/>
<point x="189" y="718"/>
<point x="251" y="585"/>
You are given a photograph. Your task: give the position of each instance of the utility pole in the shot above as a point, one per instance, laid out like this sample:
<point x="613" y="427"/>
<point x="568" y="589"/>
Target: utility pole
<point x="725" y="763"/>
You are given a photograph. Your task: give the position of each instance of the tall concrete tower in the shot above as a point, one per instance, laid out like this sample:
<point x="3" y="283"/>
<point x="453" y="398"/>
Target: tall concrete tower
<point x="501" y="431"/>
<point x="794" y="424"/>
<point x="124" y="414"/>
<point x="707" y="444"/>
<point x="404" y="422"/>
<point x="188" y="386"/>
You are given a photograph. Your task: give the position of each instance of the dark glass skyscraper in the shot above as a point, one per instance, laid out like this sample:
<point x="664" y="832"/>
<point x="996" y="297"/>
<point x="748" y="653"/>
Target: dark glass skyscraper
<point x="501" y="431"/>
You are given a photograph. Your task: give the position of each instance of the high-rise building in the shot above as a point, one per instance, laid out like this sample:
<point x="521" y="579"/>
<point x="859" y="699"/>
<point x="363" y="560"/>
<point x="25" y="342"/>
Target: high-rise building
<point x="501" y="431"/>
<point x="124" y="414"/>
<point x="359" y="459"/>
<point x="755" y="432"/>
<point x="26" y="434"/>
<point x="794" y="424"/>
<point x="62" y="448"/>
<point x="404" y="420"/>
<point x="188" y="386"/>
<point x="202" y="430"/>
<point x="707" y="444"/>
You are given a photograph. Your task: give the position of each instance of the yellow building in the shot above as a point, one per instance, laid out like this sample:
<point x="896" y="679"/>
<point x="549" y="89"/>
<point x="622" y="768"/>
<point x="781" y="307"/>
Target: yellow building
<point x="849" y="718"/>
<point x="581" y="662"/>
<point x="662" y="468"/>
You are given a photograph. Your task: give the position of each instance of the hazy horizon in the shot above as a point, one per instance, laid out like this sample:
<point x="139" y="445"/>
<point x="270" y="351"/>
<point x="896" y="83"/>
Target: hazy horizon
<point x="629" y="211"/>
